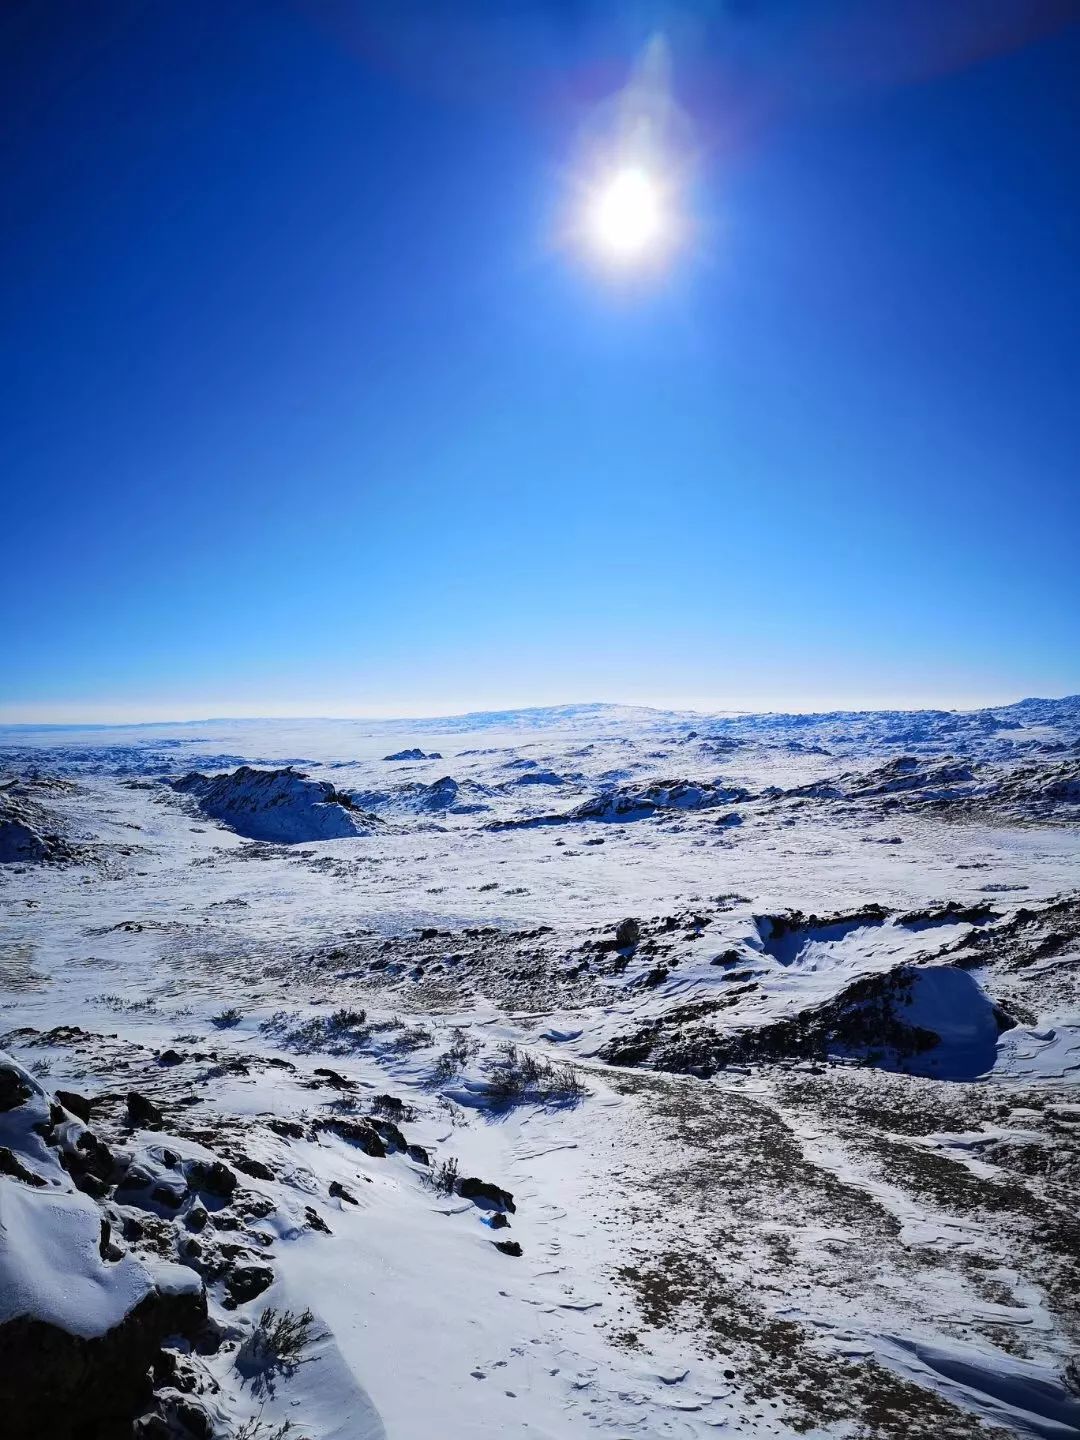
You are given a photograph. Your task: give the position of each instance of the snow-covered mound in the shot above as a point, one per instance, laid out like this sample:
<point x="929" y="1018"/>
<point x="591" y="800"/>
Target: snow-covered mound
<point x="416" y="798"/>
<point x="279" y="805"/>
<point x="414" y="754"/>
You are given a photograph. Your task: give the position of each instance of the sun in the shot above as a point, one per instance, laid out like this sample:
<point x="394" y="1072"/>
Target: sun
<point x="627" y="219"/>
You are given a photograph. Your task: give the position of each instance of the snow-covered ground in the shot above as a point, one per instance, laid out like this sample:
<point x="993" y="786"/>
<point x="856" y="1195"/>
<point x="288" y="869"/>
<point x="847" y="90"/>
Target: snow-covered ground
<point x="793" y="1153"/>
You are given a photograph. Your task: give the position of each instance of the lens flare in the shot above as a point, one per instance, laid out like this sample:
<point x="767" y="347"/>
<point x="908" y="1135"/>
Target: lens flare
<point x="627" y="210"/>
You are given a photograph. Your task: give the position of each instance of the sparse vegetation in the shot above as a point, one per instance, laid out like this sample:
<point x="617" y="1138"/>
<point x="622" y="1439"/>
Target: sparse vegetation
<point x="226" y="1019"/>
<point x="123" y="1006"/>
<point x="516" y="1075"/>
<point x="444" y="1176"/>
<point x="277" y="1342"/>
<point x="258" y="1429"/>
<point x="340" y="1033"/>
<point x="452" y="1061"/>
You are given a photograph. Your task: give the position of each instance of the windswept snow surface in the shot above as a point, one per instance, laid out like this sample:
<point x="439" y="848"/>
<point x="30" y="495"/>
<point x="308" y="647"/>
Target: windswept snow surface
<point x="795" y="1153"/>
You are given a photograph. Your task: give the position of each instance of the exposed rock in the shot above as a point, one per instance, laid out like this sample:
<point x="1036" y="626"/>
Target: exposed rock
<point x="508" y="1247"/>
<point x="78" y="1105"/>
<point x="210" y="1176"/>
<point x="276" y="805"/>
<point x="14" y="1091"/>
<point x="143" y="1113"/>
<point x="627" y="934"/>
<point x="255" y="1168"/>
<point x="356" y="1132"/>
<point x="246" y="1282"/>
<point x="10" y="1164"/>
<point x="483" y="1192"/>
<point x="57" y="1386"/>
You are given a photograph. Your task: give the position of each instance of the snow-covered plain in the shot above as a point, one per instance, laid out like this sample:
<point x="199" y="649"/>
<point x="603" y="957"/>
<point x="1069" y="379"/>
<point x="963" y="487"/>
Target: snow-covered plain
<point x="794" y="1153"/>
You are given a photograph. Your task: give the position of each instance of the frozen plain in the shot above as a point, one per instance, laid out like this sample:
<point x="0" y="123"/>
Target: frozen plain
<point x="795" y="1153"/>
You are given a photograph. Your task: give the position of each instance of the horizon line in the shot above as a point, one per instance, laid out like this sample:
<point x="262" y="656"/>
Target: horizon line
<point x="701" y="709"/>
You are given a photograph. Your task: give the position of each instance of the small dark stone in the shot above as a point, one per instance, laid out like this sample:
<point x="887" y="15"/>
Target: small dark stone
<point x="169" y="1057"/>
<point x="143" y="1112"/>
<point x="627" y="934"/>
<point x="498" y="1221"/>
<point x="196" y="1217"/>
<point x="419" y="1154"/>
<point x="508" y="1247"/>
<point x="339" y="1192"/>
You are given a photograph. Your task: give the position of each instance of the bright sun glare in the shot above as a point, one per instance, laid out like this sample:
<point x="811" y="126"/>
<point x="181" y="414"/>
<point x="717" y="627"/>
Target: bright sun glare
<point x="627" y="220"/>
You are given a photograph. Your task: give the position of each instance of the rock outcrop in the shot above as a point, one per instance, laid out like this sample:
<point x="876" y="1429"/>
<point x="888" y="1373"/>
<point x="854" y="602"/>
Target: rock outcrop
<point x="277" y="805"/>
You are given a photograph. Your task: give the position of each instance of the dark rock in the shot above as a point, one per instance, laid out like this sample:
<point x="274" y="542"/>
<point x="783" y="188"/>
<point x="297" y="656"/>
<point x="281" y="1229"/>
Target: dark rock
<point x="211" y="1176"/>
<point x="196" y="1217"/>
<point x="482" y="1192"/>
<point x="315" y="1220"/>
<point x="628" y="934"/>
<point x="14" y="1090"/>
<point x="167" y="1197"/>
<point x="248" y="1281"/>
<point x="356" y="1132"/>
<point x="192" y="1418"/>
<point x="498" y="1221"/>
<point x="339" y="1192"/>
<point x="287" y="1129"/>
<point x="76" y="1105"/>
<point x="255" y="1168"/>
<point x="90" y="1165"/>
<point x="168" y="1057"/>
<point x="152" y="1427"/>
<point x="419" y="1154"/>
<point x="10" y="1164"/>
<point x="142" y="1112"/>
<point x="508" y="1247"/>
<point x="391" y="1134"/>
<point x="56" y="1386"/>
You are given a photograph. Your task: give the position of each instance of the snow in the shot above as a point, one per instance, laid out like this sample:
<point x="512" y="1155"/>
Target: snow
<point x="851" y="1200"/>
<point x="51" y="1268"/>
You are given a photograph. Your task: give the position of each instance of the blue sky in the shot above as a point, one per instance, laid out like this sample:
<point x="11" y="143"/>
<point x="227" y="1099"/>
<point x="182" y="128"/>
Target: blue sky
<point x="308" y="408"/>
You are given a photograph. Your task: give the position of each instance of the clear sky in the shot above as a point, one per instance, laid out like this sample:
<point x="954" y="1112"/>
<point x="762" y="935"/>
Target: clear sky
<point x="310" y="406"/>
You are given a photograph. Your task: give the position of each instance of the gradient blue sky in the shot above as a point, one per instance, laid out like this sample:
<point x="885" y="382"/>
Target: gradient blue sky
<point x="306" y="410"/>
